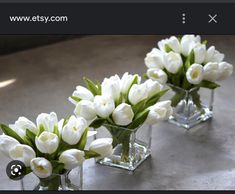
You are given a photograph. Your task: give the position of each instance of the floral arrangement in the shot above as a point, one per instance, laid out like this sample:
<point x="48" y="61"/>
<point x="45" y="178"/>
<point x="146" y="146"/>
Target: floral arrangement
<point x="121" y="102"/>
<point x="51" y="147"/>
<point x="186" y="63"/>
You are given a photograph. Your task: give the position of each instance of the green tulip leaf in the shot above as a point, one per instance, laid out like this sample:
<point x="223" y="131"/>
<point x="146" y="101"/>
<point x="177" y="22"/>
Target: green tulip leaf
<point x="145" y="76"/>
<point x="155" y="98"/>
<point x="208" y="84"/>
<point x="75" y="98"/>
<point x="139" y="107"/>
<point x="82" y="142"/>
<point x="99" y="86"/>
<point x="28" y="142"/>
<point x="56" y="131"/>
<point x="30" y="136"/>
<point x="97" y="123"/>
<point x="189" y="60"/>
<point x="90" y="154"/>
<point x="10" y="132"/>
<point x="58" y="167"/>
<point x="196" y="98"/>
<point x="92" y="87"/>
<point x="41" y="129"/>
<point x="177" y="98"/>
<point x="135" y="81"/>
<point x="139" y="120"/>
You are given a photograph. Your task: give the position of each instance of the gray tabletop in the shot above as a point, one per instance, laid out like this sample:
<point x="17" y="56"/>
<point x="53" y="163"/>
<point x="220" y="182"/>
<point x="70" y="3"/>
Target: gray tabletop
<point x="202" y="158"/>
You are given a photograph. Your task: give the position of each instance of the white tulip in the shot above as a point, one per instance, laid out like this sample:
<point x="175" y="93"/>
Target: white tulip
<point x="187" y="43"/>
<point x="195" y="73"/>
<point x="213" y="55"/>
<point x="7" y="143"/>
<point x="157" y="75"/>
<point x="23" y="153"/>
<point x="199" y="53"/>
<point x="47" y="121"/>
<point x="211" y="71"/>
<point x="172" y="42"/>
<point x="137" y="93"/>
<point x="154" y="59"/>
<point x="153" y="87"/>
<point x="85" y="109"/>
<point x="47" y="142"/>
<point x="111" y="87"/>
<point x="158" y="112"/>
<point x="102" y="146"/>
<point x="22" y="124"/>
<point x="72" y="158"/>
<point x="41" y="167"/>
<point x="104" y="106"/>
<point x="173" y="62"/>
<point x="73" y="130"/>
<point x="60" y="125"/>
<point x="123" y="114"/>
<point x="127" y="80"/>
<point x="161" y="44"/>
<point x="225" y="70"/>
<point x="82" y="93"/>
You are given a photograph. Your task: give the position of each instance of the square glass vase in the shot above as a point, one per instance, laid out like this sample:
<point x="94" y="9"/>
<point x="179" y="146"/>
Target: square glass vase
<point x="71" y="180"/>
<point x="131" y="147"/>
<point x="191" y="107"/>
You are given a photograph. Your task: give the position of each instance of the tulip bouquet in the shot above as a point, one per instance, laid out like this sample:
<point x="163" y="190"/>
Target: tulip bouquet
<point x="122" y="105"/>
<point x="186" y="65"/>
<point x="51" y="148"/>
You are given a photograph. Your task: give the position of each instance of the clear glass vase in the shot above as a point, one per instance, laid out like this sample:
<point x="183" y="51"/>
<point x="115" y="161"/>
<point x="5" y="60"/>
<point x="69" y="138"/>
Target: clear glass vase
<point x="69" y="181"/>
<point x="131" y="147"/>
<point x="191" y="107"/>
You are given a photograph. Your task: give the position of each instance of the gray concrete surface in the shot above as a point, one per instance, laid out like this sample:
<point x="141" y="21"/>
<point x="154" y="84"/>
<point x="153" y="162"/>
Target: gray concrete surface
<point x="203" y="158"/>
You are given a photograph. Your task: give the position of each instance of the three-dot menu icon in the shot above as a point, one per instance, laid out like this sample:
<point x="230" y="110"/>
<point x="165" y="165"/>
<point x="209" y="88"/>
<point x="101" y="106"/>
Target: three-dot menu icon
<point x="183" y="18"/>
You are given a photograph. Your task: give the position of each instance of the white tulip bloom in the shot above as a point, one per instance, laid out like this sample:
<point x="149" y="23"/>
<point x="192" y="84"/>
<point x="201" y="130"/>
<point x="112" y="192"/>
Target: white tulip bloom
<point x="104" y="106"/>
<point x="172" y="42"/>
<point x="157" y="75"/>
<point x="154" y="59"/>
<point x="173" y="62"/>
<point x="73" y="130"/>
<point x="187" y="43"/>
<point x="137" y="93"/>
<point x="225" y="70"/>
<point x="153" y="87"/>
<point x="47" y="121"/>
<point x="111" y="87"/>
<point x="127" y="80"/>
<point x="72" y="158"/>
<point x="60" y="125"/>
<point x="82" y="93"/>
<point x="213" y="55"/>
<point x="23" y="153"/>
<point x="47" y="142"/>
<point x="158" y="112"/>
<point x="211" y="71"/>
<point x="41" y="167"/>
<point x="195" y="74"/>
<point x="199" y="53"/>
<point x="85" y="109"/>
<point x="7" y="143"/>
<point x="123" y="114"/>
<point x="102" y="146"/>
<point x="22" y="124"/>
